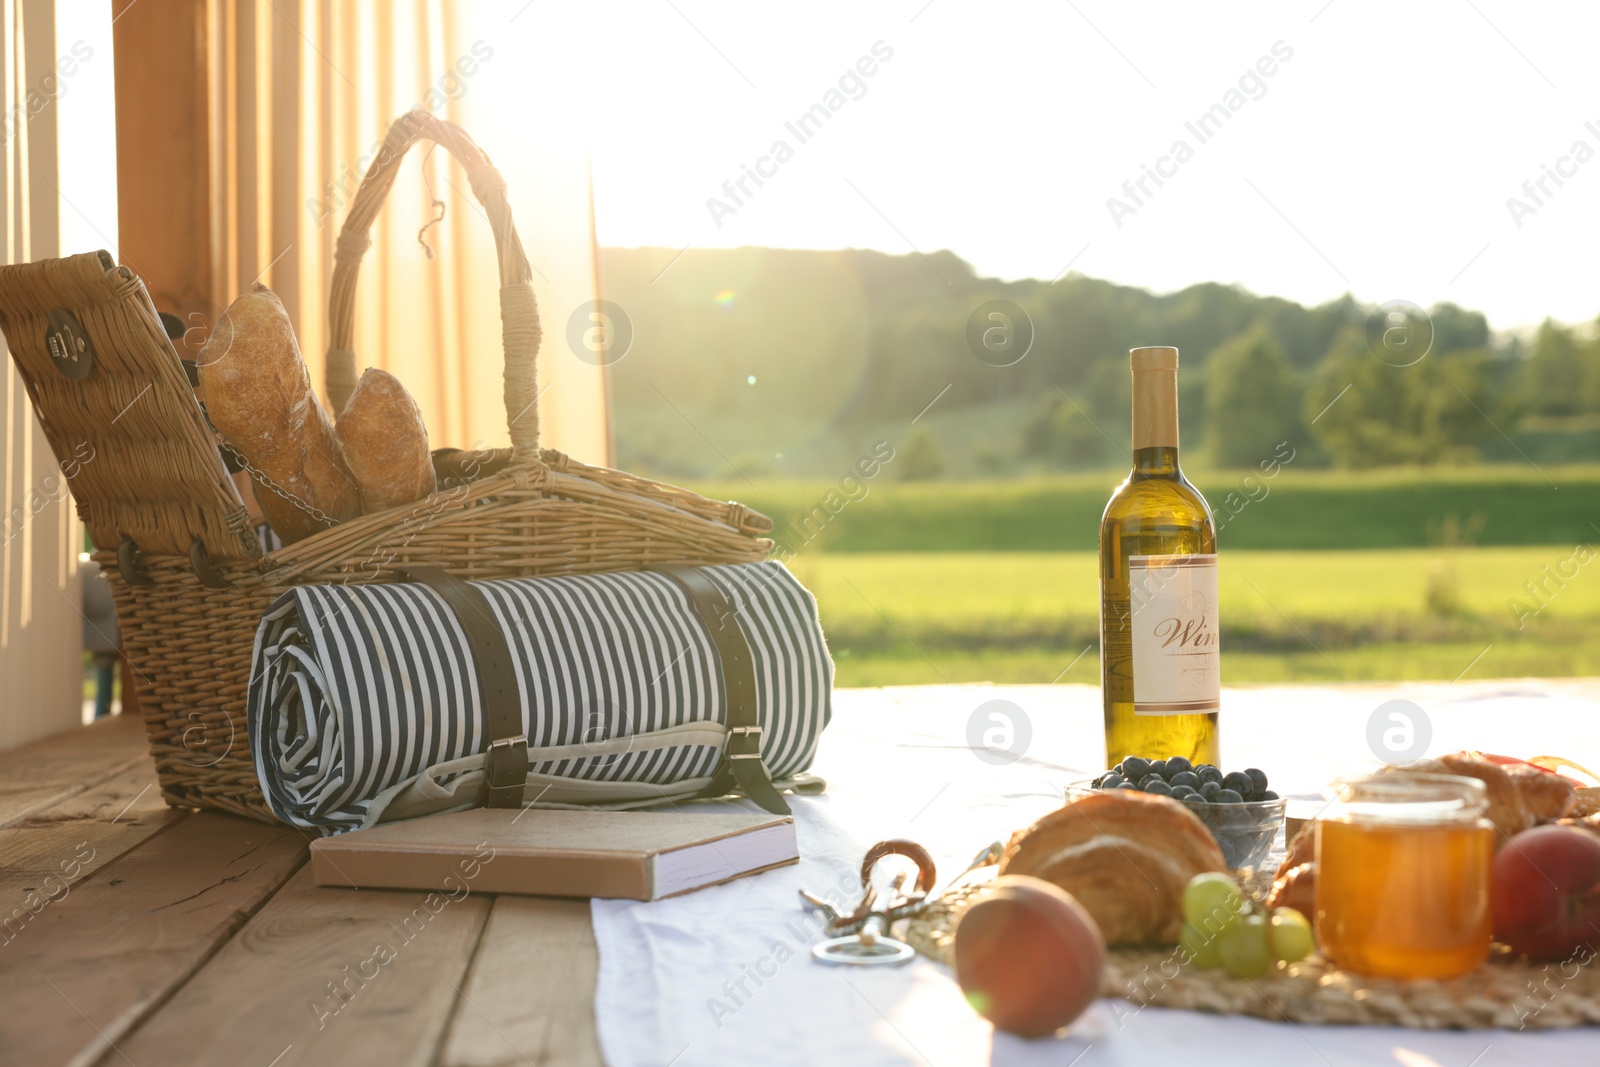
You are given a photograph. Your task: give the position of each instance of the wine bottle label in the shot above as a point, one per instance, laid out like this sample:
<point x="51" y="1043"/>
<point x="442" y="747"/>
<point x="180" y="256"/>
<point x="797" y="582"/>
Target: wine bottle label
<point x="1173" y="602"/>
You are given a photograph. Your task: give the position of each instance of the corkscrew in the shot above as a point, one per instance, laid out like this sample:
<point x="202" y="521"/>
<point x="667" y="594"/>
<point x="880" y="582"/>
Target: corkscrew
<point x="861" y="938"/>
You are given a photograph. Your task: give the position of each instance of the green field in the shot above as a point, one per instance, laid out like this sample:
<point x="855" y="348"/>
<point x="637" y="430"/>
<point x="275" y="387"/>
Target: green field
<point x="930" y="617"/>
<point x="1299" y="509"/>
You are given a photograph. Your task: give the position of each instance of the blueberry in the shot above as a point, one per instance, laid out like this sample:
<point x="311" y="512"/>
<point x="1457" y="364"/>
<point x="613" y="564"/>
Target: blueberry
<point x="1158" y="767"/>
<point x="1159" y="787"/>
<point x="1227" y="796"/>
<point x="1149" y="780"/>
<point x="1188" y="778"/>
<point x="1208" y="773"/>
<point x="1210" y="789"/>
<point x="1182" y="792"/>
<point x="1239" y="782"/>
<point x="1176" y="765"/>
<point x="1128" y="785"/>
<point x="1240" y="819"/>
<point x="1110" y="780"/>
<point x="1236" y="845"/>
<point x="1134" y="768"/>
<point x="1258" y="779"/>
<point x="1267" y="794"/>
<point x="1196" y="803"/>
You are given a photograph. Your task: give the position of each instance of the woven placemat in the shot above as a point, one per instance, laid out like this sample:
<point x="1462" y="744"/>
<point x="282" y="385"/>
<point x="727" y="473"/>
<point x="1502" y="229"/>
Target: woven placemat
<point x="1507" y="992"/>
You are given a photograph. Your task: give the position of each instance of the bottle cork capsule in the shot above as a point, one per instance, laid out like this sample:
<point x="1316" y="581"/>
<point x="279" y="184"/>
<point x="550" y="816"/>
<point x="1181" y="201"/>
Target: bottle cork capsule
<point x="1155" y="396"/>
<point x="1157" y="357"/>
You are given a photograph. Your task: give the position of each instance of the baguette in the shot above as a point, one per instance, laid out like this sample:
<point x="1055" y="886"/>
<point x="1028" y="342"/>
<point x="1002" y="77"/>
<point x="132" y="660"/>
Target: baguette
<point x="259" y="397"/>
<point x="385" y="442"/>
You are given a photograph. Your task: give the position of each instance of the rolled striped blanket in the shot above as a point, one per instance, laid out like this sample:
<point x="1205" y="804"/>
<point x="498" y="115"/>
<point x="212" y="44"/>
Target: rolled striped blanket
<point x="364" y="706"/>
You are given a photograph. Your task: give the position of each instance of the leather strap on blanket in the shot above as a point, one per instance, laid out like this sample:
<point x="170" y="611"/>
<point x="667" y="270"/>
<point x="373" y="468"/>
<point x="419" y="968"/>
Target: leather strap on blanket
<point x="741" y="764"/>
<point x="506" y="768"/>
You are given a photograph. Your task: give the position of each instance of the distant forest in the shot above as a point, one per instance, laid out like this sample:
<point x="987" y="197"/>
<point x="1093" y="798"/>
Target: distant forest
<point x="759" y="362"/>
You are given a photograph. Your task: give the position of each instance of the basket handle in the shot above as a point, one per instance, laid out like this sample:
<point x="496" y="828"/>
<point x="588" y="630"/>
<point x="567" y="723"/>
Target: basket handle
<point x="519" y="313"/>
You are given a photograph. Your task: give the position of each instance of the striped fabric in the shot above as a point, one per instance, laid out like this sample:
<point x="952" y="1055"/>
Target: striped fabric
<point x="357" y="690"/>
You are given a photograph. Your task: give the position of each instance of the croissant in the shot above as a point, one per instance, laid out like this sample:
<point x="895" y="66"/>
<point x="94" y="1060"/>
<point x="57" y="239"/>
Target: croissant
<point x="1588" y="802"/>
<point x="1590" y="823"/>
<point x="1126" y="856"/>
<point x="1547" y="796"/>
<point x="1295" y="888"/>
<point x="1302" y="849"/>
<point x="1519" y="797"/>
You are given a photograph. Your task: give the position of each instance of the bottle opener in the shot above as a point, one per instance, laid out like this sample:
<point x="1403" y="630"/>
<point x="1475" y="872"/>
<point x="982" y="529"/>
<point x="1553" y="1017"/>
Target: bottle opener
<point x="861" y="939"/>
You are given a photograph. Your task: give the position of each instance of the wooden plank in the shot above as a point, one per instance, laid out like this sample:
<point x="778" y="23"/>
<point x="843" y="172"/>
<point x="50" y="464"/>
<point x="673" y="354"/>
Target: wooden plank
<point x="322" y="976"/>
<point x="529" y="999"/>
<point x="53" y="768"/>
<point x="166" y="215"/>
<point x="89" y="967"/>
<point x="49" y="852"/>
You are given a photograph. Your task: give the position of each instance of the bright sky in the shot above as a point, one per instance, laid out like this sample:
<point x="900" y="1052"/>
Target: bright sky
<point x="1377" y="157"/>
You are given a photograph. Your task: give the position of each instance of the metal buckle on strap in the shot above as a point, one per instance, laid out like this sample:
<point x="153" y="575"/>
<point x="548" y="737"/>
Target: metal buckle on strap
<point x="753" y="732"/>
<point x="503" y="775"/>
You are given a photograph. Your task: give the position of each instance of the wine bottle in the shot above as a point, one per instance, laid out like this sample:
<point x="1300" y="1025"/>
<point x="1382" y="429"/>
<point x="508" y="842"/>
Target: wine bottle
<point x="1159" y="676"/>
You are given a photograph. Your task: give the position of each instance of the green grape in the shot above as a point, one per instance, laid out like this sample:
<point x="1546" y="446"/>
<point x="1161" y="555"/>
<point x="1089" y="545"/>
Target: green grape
<point x="1200" y="947"/>
<point x="1243" y="948"/>
<point x="1212" y="901"/>
<point x="1291" y="935"/>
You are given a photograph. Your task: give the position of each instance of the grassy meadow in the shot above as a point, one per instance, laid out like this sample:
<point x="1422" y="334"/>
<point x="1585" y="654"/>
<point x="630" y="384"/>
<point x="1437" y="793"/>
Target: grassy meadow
<point x="916" y="618"/>
<point x="1299" y="509"/>
<point x="1394" y="575"/>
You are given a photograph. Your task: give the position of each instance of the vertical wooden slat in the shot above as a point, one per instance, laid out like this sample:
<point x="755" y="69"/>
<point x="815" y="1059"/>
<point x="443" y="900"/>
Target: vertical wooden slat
<point x="286" y="135"/>
<point x="245" y="183"/>
<point x="41" y="670"/>
<point x="39" y="57"/>
<point x="164" y="152"/>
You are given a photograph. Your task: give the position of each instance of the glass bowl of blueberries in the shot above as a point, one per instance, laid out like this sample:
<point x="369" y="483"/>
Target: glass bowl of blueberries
<point x="1237" y="807"/>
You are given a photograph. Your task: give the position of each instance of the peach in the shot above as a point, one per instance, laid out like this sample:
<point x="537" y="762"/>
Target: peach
<point x="1028" y="956"/>
<point x="1547" y="891"/>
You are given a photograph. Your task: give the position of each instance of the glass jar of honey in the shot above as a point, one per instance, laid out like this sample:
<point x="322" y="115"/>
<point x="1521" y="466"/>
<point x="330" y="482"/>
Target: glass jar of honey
<point x="1403" y="867"/>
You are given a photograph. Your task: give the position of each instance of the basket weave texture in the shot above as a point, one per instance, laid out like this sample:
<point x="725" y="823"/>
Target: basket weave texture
<point x="1507" y="992"/>
<point x="193" y="581"/>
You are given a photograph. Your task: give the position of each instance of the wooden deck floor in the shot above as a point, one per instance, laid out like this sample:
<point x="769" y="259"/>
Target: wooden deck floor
<point x="133" y="933"/>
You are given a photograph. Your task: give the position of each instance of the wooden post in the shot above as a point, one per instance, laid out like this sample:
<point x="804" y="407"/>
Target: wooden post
<point x="41" y="660"/>
<point x="166" y="140"/>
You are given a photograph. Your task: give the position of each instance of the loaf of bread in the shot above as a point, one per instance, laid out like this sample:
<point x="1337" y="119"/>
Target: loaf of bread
<point x="1126" y="856"/>
<point x="259" y="397"/>
<point x="385" y="442"/>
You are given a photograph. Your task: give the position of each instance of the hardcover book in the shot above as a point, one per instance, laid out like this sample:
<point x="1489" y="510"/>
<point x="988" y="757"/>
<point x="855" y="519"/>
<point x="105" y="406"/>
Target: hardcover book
<point x="634" y="855"/>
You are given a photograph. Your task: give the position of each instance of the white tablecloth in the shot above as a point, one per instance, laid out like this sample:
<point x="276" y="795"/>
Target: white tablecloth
<point x="725" y="977"/>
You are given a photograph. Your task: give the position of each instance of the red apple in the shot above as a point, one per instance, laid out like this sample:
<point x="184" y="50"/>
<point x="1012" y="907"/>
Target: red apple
<point x="1028" y="956"/>
<point x="1547" y="891"/>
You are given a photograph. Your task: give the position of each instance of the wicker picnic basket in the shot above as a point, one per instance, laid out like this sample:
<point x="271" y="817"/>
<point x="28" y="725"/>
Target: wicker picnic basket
<point x="186" y="568"/>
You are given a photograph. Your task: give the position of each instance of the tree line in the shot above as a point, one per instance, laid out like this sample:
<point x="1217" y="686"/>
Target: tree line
<point x="768" y="352"/>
